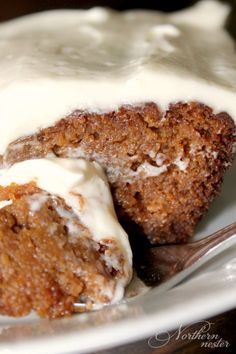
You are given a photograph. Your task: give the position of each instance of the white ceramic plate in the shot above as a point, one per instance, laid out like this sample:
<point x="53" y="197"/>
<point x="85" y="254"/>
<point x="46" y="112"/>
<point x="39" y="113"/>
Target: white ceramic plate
<point x="211" y="291"/>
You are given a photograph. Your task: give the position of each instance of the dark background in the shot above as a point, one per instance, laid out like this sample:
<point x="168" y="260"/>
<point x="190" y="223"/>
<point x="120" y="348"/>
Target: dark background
<point x="13" y="8"/>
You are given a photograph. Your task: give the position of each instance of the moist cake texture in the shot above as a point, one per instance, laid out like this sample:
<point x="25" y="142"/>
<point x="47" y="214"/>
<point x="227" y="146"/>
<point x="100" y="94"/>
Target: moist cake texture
<point x="164" y="168"/>
<point x="52" y="255"/>
<point x="149" y="107"/>
<point x="146" y="97"/>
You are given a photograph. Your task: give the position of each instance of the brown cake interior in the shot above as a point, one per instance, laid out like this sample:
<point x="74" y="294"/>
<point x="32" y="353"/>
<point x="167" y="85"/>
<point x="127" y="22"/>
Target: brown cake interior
<point x="43" y="267"/>
<point x="193" y="145"/>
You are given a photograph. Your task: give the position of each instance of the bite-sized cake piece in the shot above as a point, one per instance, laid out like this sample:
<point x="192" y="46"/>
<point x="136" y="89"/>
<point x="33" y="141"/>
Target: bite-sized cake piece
<point x="60" y="240"/>
<point x="143" y="93"/>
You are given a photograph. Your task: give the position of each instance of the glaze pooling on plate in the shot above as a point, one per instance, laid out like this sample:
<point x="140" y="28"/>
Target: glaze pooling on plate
<point x="55" y="62"/>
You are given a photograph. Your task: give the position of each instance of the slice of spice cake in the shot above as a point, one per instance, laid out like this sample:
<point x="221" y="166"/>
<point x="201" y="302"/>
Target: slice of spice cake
<point x="142" y="93"/>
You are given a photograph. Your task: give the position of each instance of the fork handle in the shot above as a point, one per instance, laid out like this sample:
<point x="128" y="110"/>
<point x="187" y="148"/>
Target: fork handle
<point x="229" y="241"/>
<point x="201" y="247"/>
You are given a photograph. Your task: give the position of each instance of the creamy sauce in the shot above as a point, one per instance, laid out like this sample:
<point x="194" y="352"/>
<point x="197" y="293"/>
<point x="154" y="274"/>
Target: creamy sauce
<point x="55" y="62"/>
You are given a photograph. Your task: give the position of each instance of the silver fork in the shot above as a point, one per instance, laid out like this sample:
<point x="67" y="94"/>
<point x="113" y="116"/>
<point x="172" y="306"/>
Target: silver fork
<point x="167" y="266"/>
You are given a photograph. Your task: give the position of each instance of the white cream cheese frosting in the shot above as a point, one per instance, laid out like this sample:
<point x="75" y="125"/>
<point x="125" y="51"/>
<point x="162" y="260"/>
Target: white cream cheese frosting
<point x="55" y="62"/>
<point x="70" y="179"/>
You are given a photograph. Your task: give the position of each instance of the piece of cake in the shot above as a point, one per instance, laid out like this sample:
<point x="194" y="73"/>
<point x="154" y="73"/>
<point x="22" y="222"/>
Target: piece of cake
<point x="60" y="241"/>
<point x="142" y="93"/>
